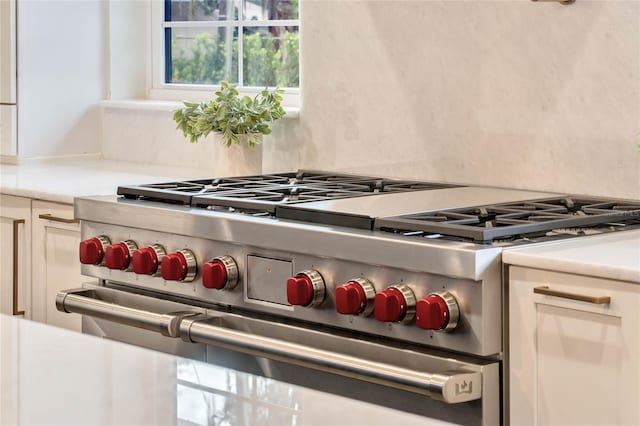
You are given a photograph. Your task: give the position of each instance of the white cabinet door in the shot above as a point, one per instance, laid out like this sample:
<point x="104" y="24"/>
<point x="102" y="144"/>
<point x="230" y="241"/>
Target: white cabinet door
<point x="573" y="362"/>
<point x="56" y="266"/>
<point x="15" y="249"/>
<point x="8" y="126"/>
<point x="8" y="52"/>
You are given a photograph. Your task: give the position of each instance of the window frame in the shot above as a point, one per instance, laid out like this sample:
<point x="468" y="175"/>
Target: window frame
<point x="159" y="90"/>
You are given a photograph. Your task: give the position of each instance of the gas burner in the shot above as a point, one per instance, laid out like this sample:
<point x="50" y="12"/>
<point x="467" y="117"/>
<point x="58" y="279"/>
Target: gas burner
<point x="267" y="198"/>
<point x="518" y="220"/>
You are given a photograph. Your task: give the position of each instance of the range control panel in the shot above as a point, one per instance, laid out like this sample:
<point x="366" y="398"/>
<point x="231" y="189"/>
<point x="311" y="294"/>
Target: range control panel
<point x="414" y="306"/>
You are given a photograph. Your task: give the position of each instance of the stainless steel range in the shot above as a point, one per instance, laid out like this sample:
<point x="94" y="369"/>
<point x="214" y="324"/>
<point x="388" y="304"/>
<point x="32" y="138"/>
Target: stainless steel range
<point x="384" y="290"/>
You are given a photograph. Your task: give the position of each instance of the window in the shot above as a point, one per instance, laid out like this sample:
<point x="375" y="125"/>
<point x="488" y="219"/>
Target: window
<point x="251" y="43"/>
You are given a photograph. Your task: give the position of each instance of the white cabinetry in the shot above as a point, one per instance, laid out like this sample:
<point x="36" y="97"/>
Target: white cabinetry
<point x="8" y="125"/>
<point x="8" y="109"/>
<point x="573" y="362"/>
<point x="56" y="236"/>
<point x="15" y="247"/>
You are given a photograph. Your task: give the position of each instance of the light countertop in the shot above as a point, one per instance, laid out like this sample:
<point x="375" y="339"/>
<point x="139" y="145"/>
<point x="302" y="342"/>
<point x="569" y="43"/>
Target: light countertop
<point x="60" y="180"/>
<point x="56" y="377"/>
<point x="614" y="256"/>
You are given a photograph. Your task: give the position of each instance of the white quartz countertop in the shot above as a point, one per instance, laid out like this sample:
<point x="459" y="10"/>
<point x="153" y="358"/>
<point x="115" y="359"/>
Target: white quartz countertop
<point x="615" y="256"/>
<point x="61" y="180"/>
<point x="50" y="376"/>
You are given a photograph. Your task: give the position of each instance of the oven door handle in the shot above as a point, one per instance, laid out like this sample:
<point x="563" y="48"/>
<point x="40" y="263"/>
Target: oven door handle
<point x="450" y="387"/>
<point x="85" y="302"/>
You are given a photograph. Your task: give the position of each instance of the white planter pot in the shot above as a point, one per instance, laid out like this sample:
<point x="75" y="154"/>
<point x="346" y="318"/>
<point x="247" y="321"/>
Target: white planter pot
<point x="235" y="160"/>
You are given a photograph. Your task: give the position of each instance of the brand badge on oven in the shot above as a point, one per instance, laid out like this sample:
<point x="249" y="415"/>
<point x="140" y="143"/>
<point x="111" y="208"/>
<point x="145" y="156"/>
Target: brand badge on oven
<point x="462" y="387"/>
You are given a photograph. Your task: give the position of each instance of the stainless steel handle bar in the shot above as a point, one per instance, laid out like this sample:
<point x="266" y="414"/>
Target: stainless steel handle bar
<point x="83" y="301"/>
<point x="450" y="387"/>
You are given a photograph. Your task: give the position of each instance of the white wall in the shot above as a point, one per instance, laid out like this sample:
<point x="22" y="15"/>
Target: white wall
<point x="507" y="93"/>
<point x="514" y="93"/>
<point x="61" y="76"/>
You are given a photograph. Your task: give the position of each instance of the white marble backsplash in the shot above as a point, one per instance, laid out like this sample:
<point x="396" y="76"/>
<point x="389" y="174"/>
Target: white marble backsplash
<point x="151" y="137"/>
<point x="532" y="95"/>
<point x="508" y="93"/>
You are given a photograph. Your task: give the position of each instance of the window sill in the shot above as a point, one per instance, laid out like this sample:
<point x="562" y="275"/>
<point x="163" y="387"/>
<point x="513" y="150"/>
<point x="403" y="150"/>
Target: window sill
<point x="154" y="105"/>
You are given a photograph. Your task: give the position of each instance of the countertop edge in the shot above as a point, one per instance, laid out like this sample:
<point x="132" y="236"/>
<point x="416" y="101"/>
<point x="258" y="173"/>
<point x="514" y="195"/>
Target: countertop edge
<point x="572" y="267"/>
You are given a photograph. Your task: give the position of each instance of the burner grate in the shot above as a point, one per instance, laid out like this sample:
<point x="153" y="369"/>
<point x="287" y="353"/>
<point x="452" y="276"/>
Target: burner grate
<point x="516" y="220"/>
<point x="264" y="192"/>
<point x="269" y="197"/>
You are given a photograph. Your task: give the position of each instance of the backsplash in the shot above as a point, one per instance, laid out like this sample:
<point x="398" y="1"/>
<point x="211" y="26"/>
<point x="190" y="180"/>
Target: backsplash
<point x="151" y="137"/>
<point x="507" y="93"/>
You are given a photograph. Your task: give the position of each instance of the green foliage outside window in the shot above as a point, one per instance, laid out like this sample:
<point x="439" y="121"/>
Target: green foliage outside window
<point x="269" y="60"/>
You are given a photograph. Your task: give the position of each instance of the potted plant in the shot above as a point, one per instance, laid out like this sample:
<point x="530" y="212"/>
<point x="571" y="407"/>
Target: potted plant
<point x="236" y="118"/>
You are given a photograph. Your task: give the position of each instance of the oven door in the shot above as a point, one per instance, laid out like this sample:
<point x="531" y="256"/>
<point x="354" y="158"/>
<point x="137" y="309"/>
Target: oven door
<point x="437" y="385"/>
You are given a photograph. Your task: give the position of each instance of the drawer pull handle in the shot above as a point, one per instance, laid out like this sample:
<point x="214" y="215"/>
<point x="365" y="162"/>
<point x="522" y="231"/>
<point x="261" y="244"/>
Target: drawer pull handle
<point x="52" y="218"/>
<point x="16" y="279"/>
<point x="565" y="2"/>
<point x="597" y="300"/>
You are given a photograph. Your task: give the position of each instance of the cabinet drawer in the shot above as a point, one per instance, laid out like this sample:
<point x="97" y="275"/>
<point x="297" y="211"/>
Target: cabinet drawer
<point x="591" y="294"/>
<point x="59" y="215"/>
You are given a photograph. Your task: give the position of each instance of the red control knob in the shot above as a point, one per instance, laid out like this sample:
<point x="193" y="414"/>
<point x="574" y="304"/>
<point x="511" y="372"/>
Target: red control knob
<point x="118" y="256"/>
<point x="355" y="297"/>
<point x="92" y="250"/>
<point x="305" y="289"/>
<point x="299" y="290"/>
<point x="219" y="273"/>
<point x="179" y="266"/>
<point x="146" y="260"/>
<point x="395" y="304"/>
<point x="438" y="311"/>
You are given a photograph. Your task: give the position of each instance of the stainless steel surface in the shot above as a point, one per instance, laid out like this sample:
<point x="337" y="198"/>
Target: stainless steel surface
<point x="454" y="310"/>
<point x="16" y="267"/>
<point x="265" y="278"/>
<point x="370" y="295"/>
<point x="262" y="285"/>
<point x="52" y="218"/>
<point x="319" y="290"/>
<point x="85" y="302"/>
<point x="597" y="300"/>
<point x="449" y="258"/>
<point x="419" y="201"/>
<point x="232" y="271"/>
<point x="450" y="386"/>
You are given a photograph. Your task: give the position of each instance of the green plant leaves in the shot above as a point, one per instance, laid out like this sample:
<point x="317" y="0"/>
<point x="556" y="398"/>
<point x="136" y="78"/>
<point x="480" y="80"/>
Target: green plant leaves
<point x="231" y="115"/>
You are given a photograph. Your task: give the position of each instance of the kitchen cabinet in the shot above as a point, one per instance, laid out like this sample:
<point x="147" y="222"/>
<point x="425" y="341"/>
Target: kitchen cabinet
<point x="8" y="108"/>
<point x="56" y="236"/>
<point x="8" y="139"/>
<point x="37" y="71"/>
<point x="573" y="362"/>
<point x="15" y="248"/>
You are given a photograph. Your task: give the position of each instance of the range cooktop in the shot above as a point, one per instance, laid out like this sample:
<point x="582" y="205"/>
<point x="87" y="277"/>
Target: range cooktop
<point x="404" y="207"/>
